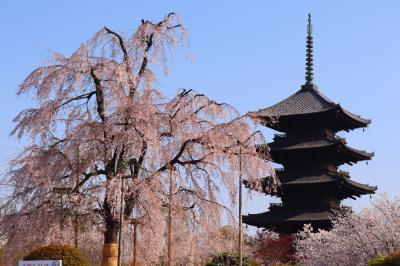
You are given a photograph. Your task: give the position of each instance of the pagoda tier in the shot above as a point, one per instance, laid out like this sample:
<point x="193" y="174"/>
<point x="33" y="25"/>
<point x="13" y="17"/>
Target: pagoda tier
<point x="297" y="151"/>
<point x="309" y="108"/>
<point x="338" y="184"/>
<point x="312" y="187"/>
<point x="308" y="199"/>
<point x="290" y="221"/>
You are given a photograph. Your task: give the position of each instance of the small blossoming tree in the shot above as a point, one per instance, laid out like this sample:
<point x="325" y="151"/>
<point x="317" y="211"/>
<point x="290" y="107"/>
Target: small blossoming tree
<point x="355" y="238"/>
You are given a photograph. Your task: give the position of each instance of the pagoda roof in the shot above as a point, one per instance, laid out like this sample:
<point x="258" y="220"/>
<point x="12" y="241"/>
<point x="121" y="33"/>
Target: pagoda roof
<point x="360" y="188"/>
<point x="279" y="214"/>
<point x="290" y="221"/>
<point x="319" y="143"/>
<point x="298" y="145"/>
<point x="353" y="155"/>
<point x="308" y="100"/>
<point x="349" y="188"/>
<point x="308" y="179"/>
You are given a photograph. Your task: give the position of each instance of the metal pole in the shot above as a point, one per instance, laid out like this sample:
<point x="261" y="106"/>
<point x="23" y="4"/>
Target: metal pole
<point x="120" y="224"/>
<point x="240" y="210"/>
<point x="170" y="218"/>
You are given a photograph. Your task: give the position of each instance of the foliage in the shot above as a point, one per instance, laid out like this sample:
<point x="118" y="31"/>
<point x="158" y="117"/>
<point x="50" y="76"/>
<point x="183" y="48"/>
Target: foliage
<point x="393" y="259"/>
<point x="99" y="120"/>
<point x="271" y="248"/>
<point x="70" y="256"/>
<point x="377" y="261"/>
<point x="223" y="259"/>
<point x="356" y="237"/>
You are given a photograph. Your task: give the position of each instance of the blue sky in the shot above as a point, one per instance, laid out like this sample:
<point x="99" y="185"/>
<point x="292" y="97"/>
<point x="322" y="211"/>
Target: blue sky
<point x="248" y="53"/>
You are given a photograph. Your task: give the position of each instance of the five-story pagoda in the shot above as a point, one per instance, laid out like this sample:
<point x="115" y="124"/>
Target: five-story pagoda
<point x="312" y="187"/>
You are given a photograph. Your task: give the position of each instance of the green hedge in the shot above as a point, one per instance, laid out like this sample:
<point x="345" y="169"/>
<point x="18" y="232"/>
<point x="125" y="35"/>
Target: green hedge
<point x="392" y="259"/>
<point x="224" y="259"/>
<point x="70" y="256"/>
<point x="377" y="261"/>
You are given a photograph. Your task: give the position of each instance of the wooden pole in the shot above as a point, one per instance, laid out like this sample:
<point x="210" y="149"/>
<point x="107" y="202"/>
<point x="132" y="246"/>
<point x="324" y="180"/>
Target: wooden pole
<point x="170" y="218"/>
<point x="61" y="210"/>
<point x="76" y="230"/>
<point x="62" y="191"/>
<point x="134" y="244"/>
<point x="240" y="210"/>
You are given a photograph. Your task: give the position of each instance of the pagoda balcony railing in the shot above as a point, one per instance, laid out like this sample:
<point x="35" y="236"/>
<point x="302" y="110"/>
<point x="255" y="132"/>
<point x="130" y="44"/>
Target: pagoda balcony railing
<point x="325" y="134"/>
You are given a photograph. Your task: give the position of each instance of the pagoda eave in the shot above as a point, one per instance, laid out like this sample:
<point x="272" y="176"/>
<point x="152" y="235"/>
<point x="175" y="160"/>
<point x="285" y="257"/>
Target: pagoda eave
<point x="305" y="107"/>
<point x="350" y="188"/>
<point x="352" y="119"/>
<point x="347" y="187"/>
<point x="344" y="154"/>
<point x="289" y="221"/>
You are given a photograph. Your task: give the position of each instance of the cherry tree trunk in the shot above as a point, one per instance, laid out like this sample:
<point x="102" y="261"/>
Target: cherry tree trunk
<point x="110" y="247"/>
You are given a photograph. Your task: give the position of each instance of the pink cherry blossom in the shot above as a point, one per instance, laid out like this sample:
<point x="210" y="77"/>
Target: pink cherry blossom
<point x="98" y="119"/>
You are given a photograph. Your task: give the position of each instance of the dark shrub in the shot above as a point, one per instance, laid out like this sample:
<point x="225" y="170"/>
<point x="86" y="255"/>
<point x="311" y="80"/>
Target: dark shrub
<point x="377" y="261"/>
<point x="224" y="259"/>
<point x="392" y="259"/>
<point x="70" y="256"/>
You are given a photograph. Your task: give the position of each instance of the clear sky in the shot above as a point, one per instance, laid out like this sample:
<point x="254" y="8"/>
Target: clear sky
<point x="248" y="53"/>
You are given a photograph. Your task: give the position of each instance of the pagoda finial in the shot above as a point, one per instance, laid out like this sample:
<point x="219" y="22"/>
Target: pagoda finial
<point x="309" y="54"/>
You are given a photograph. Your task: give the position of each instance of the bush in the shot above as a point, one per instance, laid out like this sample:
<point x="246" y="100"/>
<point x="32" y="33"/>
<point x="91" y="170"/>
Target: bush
<point x="392" y="259"/>
<point x="70" y="256"/>
<point x="377" y="261"/>
<point x="230" y="259"/>
<point x="273" y="249"/>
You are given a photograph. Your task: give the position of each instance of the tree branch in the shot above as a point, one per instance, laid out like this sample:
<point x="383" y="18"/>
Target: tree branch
<point x="99" y="95"/>
<point x="80" y="97"/>
<point x="87" y="177"/>
<point x="178" y="155"/>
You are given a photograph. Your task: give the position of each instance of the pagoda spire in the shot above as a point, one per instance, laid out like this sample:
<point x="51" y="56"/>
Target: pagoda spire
<point x="309" y="54"/>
